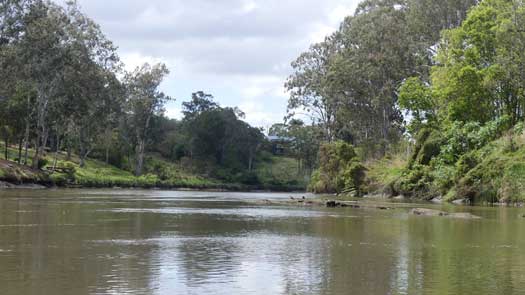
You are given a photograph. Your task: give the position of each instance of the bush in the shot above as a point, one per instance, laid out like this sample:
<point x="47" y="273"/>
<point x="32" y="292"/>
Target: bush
<point x="42" y="162"/>
<point x="428" y="146"/>
<point x="416" y="182"/>
<point x="339" y="170"/>
<point x="466" y="163"/>
<point x="354" y="177"/>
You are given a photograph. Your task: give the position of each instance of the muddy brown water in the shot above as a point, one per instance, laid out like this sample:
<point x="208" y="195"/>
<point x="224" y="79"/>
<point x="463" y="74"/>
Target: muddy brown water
<point x="165" y="242"/>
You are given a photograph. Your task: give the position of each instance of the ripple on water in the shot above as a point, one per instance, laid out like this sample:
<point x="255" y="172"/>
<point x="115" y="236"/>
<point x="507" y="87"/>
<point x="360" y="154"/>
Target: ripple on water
<point x="254" y="212"/>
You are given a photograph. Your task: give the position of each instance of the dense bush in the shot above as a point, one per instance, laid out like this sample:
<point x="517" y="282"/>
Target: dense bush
<point x="340" y="170"/>
<point x="42" y="163"/>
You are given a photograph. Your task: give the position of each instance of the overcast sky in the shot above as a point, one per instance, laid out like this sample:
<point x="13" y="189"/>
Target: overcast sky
<point x="238" y="50"/>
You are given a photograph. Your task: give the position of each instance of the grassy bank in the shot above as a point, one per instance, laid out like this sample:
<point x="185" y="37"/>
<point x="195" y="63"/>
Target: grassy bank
<point x="160" y="174"/>
<point x="382" y="173"/>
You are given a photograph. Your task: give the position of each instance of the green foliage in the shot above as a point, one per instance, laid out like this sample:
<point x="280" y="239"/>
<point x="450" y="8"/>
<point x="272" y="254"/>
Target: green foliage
<point x="381" y="174"/>
<point x="416" y="99"/>
<point x="42" y="163"/>
<point x="462" y="138"/>
<point x="441" y="159"/>
<point x="479" y="74"/>
<point x="349" y="82"/>
<point x="340" y="170"/>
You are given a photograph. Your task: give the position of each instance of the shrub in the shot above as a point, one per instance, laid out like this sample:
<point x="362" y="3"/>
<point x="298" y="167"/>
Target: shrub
<point x="416" y="182"/>
<point x="339" y="170"/>
<point x="42" y="162"/>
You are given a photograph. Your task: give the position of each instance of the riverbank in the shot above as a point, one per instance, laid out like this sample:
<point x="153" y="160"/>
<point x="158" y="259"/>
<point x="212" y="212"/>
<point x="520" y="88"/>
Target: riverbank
<point x="491" y="172"/>
<point x="100" y="175"/>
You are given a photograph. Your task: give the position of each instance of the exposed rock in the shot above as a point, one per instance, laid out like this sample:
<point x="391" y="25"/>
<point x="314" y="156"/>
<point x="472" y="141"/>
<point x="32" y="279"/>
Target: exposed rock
<point x="461" y="202"/>
<point x="437" y="200"/>
<point x="428" y="212"/>
<point x="383" y="208"/>
<point x="332" y="204"/>
<point x="4" y="185"/>
<point x="432" y="212"/>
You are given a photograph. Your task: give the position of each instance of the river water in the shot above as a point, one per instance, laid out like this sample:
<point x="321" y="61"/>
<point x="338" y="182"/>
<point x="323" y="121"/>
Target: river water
<point x="161" y="242"/>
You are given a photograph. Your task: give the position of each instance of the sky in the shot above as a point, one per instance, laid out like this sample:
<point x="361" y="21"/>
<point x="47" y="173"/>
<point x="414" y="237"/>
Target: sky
<point x="237" y="50"/>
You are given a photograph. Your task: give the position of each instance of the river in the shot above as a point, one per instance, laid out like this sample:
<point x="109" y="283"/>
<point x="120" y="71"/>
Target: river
<point x="165" y="242"/>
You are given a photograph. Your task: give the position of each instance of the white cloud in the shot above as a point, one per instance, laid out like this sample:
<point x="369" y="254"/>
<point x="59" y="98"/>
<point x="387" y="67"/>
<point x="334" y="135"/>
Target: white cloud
<point x="133" y="60"/>
<point x="248" y="6"/>
<point x="238" y="50"/>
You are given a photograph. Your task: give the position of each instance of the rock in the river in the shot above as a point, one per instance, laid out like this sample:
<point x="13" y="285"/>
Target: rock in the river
<point x="461" y="202"/>
<point x="332" y="204"/>
<point x="428" y="212"/>
<point x="432" y="212"/>
<point x="437" y="200"/>
<point x="4" y="184"/>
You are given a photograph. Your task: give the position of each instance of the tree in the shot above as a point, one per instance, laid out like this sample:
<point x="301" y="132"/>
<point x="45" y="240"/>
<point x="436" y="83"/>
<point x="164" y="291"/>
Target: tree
<point x="200" y="102"/>
<point x="218" y="136"/>
<point x="349" y="83"/>
<point x="304" y="139"/>
<point x="92" y="96"/>
<point x="144" y="101"/>
<point x="416" y="99"/>
<point x="308" y="87"/>
<point x="481" y="65"/>
<point x="42" y="54"/>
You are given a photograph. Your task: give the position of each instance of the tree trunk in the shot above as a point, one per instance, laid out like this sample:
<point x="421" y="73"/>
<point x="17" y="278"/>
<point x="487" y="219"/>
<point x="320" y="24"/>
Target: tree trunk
<point x="27" y="131"/>
<point x="42" y="131"/>
<point x="26" y="151"/>
<point x="6" y="141"/>
<point x="68" y="156"/>
<point x="141" y="147"/>
<point x="108" y="144"/>
<point x="140" y="158"/>
<point x="56" y="151"/>
<point x="40" y="146"/>
<point x="20" y="143"/>
<point x="83" y="151"/>
<point x="36" y="157"/>
<point x="250" y="161"/>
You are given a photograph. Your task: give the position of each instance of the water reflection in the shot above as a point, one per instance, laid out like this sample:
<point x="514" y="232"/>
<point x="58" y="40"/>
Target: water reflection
<point x="154" y="242"/>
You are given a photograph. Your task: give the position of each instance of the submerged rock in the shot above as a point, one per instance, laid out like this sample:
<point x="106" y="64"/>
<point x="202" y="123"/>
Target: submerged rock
<point x="428" y="212"/>
<point x="432" y="212"/>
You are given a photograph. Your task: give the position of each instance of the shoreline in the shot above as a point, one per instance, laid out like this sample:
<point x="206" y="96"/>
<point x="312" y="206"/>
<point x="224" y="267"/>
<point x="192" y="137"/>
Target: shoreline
<point x="8" y="185"/>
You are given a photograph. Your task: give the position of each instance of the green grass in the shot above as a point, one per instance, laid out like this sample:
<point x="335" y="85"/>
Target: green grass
<point x="281" y="171"/>
<point x="500" y="174"/>
<point x="381" y="173"/>
<point x="274" y="174"/>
